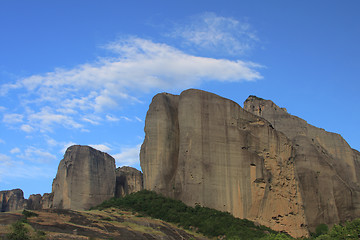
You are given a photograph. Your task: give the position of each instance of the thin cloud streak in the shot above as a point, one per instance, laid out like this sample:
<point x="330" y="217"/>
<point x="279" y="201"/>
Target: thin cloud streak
<point x="218" y="34"/>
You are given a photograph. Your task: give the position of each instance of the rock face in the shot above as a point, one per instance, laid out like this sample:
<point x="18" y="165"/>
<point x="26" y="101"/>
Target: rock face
<point x="38" y="202"/>
<point x="85" y="178"/>
<point x="12" y="200"/>
<point x="328" y="169"/>
<point x="204" y="149"/>
<point x="128" y="180"/>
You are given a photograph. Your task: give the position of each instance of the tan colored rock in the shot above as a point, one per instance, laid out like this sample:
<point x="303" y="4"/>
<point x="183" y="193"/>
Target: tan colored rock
<point x="85" y="178"/>
<point x="38" y="202"/>
<point x="12" y="200"/>
<point x="328" y="169"/>
<point x="128" y="180"/>
<point x="47" y="200"/>
<point x="204" y="149"/>
<point x="34" y="202"/>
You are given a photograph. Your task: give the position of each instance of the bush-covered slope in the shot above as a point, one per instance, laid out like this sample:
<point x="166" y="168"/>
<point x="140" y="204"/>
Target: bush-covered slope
<point x="209" y="222"/>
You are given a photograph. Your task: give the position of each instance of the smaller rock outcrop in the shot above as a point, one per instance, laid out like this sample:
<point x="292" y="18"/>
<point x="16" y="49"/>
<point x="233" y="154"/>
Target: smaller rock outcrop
<point x="38" y="202"/>
<point x="128" y="180"/>
<point x="85" y="178"/>
<point x="12" y="200"/>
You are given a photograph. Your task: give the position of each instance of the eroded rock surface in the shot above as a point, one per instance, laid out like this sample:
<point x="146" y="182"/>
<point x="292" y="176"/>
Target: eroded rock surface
<point x="204" y="149"/>
<point x="128" y="180"/>
<point x="38" y="202"/>
<point x="85" y="178"/>
<point x="327" y="168"/>
<point x="12" y="200"/>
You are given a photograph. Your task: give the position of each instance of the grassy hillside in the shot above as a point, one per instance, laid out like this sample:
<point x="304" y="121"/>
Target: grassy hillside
<point x="215" y="224"/>
<point x="210" y="222"/>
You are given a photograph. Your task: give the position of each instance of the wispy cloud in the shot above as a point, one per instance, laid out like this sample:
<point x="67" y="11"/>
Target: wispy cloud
<point x="10" y="168"/>
<point x="111" y="118"/>
<point x="128" y="156"/>
<point x="13" y="118"/>
<point x="66" y="97"/>
<point x="15" y="150"/>
<point x="38" y="155"/>
<point x="215" y="33"/>
<point x="27" y="128"/>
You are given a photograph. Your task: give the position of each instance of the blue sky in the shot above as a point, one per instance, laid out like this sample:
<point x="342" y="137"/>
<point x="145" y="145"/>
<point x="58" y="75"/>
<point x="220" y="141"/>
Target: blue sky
<point x="84" y="72"/>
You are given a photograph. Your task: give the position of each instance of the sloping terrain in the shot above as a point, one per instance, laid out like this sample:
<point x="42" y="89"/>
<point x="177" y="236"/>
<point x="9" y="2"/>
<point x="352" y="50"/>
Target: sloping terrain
<point x="106" y="224"/>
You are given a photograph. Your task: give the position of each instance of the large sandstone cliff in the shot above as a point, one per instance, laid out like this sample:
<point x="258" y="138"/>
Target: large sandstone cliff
<point x="327" y="168"/>
<point x="85" y="178"/>
<point x="204" y="149"/>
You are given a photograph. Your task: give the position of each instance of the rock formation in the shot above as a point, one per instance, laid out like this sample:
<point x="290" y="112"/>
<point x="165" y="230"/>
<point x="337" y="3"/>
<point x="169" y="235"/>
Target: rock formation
<point x="128" y="180"/>
<point x="327" y="168"/>
<point x="12" y="200"/>
<point x="85" y="178"/>
<point x="204" y="149"/>
<point x="37" y="202"/>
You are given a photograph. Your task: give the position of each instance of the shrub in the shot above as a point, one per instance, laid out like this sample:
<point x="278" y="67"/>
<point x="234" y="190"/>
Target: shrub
<point x="27" y="214"/>
<point x="19" y="231"/>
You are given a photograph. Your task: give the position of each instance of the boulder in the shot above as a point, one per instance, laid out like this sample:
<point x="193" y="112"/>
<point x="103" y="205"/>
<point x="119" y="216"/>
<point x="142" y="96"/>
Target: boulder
<point x="203" y="149"/>
<point x="85" y="178"/>
<point x="128" y="180"/>
<point x="12" y="200"/>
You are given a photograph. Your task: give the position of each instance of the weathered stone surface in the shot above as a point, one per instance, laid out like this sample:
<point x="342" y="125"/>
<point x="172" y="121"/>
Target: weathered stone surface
<point x="34" y="202"/>
<point x="12" y="200"/>
<point x="328" y="169"/>
<point x="85" y="178"/>
<point x="204" y="149"/>
<point x="128" y="180"/>
<point x="38" y="202"/>
<point x="47" y="200"/>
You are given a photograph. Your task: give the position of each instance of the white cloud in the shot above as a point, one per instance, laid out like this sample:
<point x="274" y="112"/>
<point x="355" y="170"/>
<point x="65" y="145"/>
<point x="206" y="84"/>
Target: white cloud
<point x="15" y="150"/>
<point x="37" y="155"/>
<point x="138" y="119"/>
<point x="128" y="156"/>
<point x="92" y="119"/>
<point x="2" y="108"/>
<point x="126" y="118"/>
<point x="27" y="128"/>
<point x="66" y="95"/>
<point x="217" y="34"/>
<point x="2" y="141"/>
<point x="46" y="118"/>
<point x="101" y="147"/>
<point x="112" y="118"/>
<point x="13" y="118"/>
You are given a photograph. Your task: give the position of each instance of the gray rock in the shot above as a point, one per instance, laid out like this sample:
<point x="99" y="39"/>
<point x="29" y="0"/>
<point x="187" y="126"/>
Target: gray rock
<point x="85" y="178"/>
<point x="12" y="200"/>
<point x="128" y="180"/>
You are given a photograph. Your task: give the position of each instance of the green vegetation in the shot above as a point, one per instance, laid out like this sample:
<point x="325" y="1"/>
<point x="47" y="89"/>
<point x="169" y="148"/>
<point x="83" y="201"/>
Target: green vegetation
<point x="18" y="231"/>
<point x="22" y="231"/>
<point x="209" y="222"/>
<point x="27" y="214"/>
<point x="349" y="230"/>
